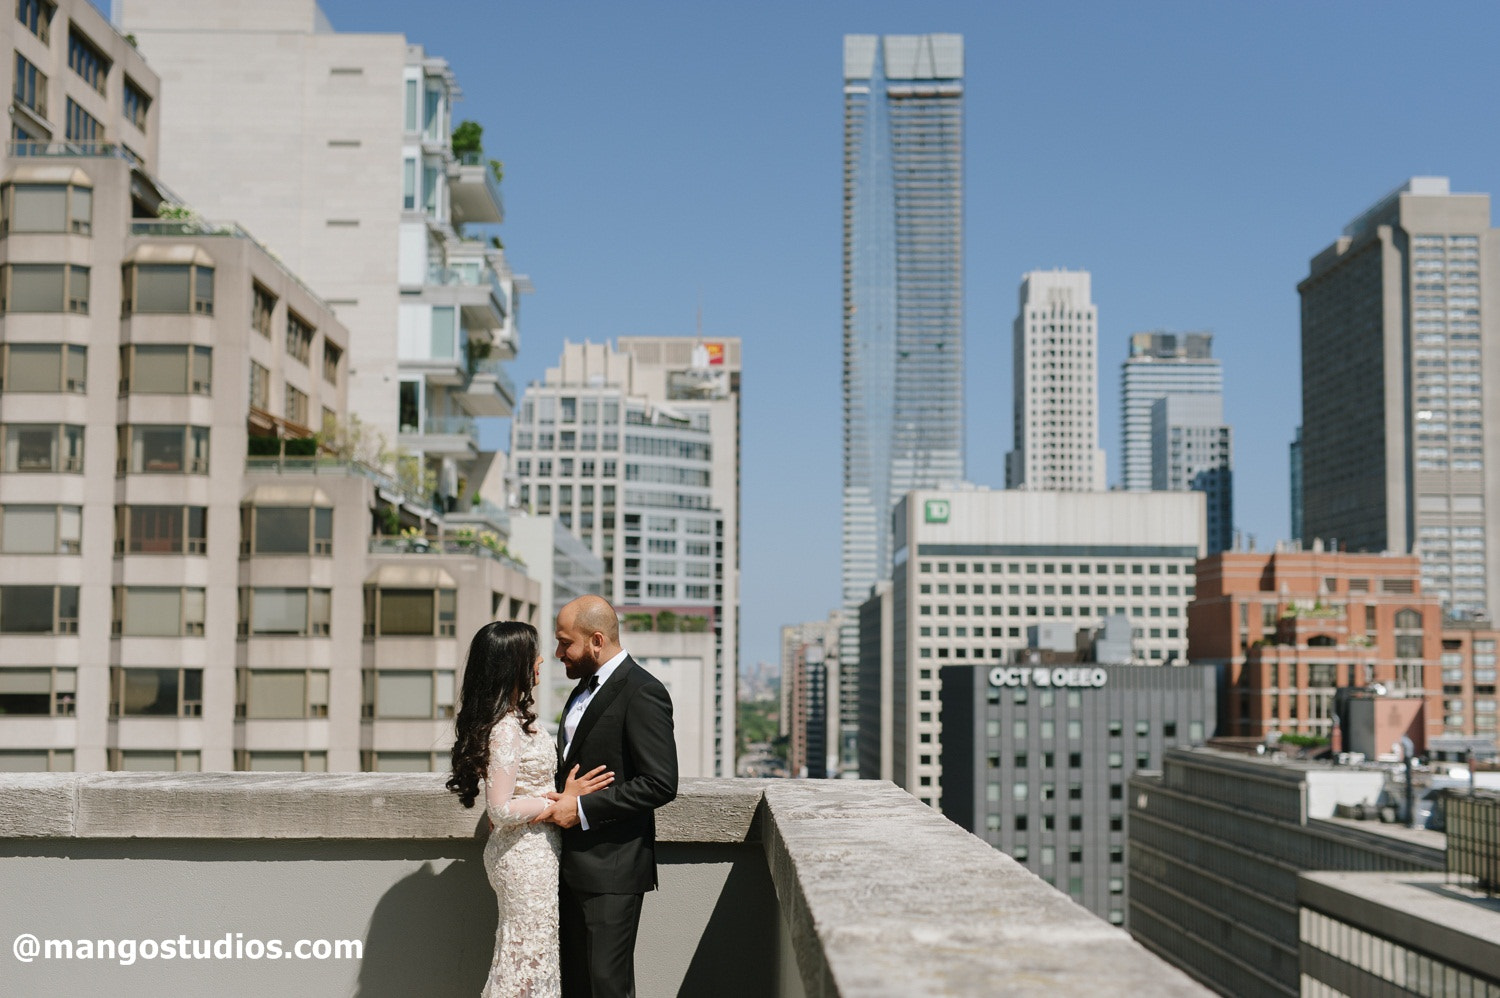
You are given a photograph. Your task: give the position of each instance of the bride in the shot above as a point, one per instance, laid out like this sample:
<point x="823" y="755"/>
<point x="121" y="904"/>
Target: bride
<point x="498" y="743"/>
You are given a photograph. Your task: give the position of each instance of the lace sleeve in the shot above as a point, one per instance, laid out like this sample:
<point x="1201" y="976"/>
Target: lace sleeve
<point x="500" y="783"/>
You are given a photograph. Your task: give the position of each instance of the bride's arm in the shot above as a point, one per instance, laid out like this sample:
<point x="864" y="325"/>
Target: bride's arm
<point x="500" y="783"/>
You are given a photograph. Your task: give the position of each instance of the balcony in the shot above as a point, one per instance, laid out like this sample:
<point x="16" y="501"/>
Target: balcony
<point x="768" y="888"/>
<point x="477" y="293"/>
<point x="445" y="436"/>
<point x="473" y="191"/>
<point x="490" y="392"/>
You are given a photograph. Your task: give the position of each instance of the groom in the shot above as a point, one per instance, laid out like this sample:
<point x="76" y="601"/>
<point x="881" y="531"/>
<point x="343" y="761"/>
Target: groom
<point x="618" y="716"/>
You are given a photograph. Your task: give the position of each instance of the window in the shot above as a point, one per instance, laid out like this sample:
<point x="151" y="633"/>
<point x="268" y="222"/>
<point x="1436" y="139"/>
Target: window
<point x="31" y="86"/>
<point x="296" y="405"/>
<point x="42" y="447"/>
<point x="137" y="103"/>
<point x="156" y="761"/>
<point x="161" y="530"/>
<point x="260" y="387"/>
<point x="410" y="611"/>
<point x="47" y="208"/>
<point x="85" y="59"/>
<point x="408" y="693"/>
<point x="41" y="692"/>
<point x="168" y="289"/>
<point x="36" y="15"/>
<point x="158" y="611"/>
<point x="166" y="370"/>
<point x="155" y="692"/>
<point x="262" y="308"/>
<point x="40" y="529"/>
<point x="311" y="761"/>
<point x="45" y="287"/>
<point x="299" y="337"/>
<point x="82" y="126"/>
<point x="294" y="612"/>
<point x="282" y="693"/>
<point x="409" y="183"/>
<point x="331" y="357"/>
<point x="43" y="367"/>
<point x="38" y="609"/>
<point x="163" y="450"/>
<point x="36" y="760"/>
<point x="411" y="105"/>
<point x="286" y="530"/>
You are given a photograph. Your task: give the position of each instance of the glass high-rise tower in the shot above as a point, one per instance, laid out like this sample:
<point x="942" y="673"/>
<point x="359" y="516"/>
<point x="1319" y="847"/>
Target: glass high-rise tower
<point x="903" y="303"/>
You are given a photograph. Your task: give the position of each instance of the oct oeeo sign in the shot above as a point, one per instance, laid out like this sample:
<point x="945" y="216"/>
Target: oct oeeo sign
<point x="936" y="511"/>
<point x="1068" y="677"/>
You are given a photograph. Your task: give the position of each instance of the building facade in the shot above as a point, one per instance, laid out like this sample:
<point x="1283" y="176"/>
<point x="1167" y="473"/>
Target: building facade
<point x="186" y="586"/>
<point x="1191" y="449"/>
<point x="1216" y="842"/>
<point x="903" y="329"/>
<point x="1290" y="628"/>
<point x="354" y="183"/>
<point x="810" y="684"/>
<point x="1036" y="760"/>
<point x="1394" y="406"/>
<point x="1159" y="364"/>
<point x="637" y="452"/>
<point x="978" y="571"/>
<point x="1056" y="387"/>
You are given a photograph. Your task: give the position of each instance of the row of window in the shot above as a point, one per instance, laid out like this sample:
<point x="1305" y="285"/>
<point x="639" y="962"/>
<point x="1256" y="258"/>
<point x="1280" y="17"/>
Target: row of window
<point x="142" y="449"/>
<point x="51" y="529"/>
<point x="191" y="761"/>
<point x="179" y="611"/>
<point x="1050" y="568"/>
<point x="260" y="693"/>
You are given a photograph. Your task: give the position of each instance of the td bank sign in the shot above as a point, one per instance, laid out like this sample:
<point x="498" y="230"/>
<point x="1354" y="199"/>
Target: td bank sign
<point x="936" y="511"/>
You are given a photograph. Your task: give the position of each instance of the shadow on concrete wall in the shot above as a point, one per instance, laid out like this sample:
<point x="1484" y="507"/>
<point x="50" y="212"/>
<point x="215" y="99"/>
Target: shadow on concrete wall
<point x="431" y="934"/>
<point x="737" y="955"/>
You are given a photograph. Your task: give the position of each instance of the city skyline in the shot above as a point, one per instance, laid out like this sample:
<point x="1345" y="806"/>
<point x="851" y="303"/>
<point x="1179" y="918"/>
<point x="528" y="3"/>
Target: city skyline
<point x="709" y="215"/>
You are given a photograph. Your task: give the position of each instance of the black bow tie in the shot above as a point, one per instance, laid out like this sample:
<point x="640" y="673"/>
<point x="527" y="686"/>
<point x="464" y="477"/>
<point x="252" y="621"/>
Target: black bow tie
<point x="593" y="683"/>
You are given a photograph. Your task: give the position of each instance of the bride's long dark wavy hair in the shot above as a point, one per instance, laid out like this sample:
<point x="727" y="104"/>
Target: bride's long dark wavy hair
<point x="498" y="678"/>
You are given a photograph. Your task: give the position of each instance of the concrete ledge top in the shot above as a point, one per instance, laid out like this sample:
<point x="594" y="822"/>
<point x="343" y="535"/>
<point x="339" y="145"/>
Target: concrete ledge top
<point x="884" y="896"/>
<point x="348" y="806"/>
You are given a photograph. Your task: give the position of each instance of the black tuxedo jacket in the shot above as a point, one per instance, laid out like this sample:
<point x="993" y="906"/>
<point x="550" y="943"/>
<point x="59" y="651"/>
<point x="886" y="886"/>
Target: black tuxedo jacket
<point x="628" y="728"/>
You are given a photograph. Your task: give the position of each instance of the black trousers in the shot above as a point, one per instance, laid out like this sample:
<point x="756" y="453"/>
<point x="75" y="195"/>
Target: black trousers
<point x="597" y="936"/>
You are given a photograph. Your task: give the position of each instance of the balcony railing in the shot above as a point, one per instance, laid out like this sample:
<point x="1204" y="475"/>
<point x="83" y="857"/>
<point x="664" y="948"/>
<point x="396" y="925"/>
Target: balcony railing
<point x="768" y="888"/>
<point x="440" y="545"/>
<point x="90" y="150"/>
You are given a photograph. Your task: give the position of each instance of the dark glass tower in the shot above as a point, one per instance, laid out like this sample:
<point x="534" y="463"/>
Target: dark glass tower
<point x="903" y="303"/>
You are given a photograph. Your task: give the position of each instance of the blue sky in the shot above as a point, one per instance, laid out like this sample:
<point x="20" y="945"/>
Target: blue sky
<point x="1192" y="155"/>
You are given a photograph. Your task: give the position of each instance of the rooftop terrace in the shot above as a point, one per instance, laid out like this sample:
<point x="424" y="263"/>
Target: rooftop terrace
<point x="768" y="888"/>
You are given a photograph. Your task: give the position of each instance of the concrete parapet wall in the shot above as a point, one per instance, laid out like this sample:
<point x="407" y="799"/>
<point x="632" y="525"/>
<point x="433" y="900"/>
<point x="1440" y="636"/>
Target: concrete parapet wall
<point x="775" y="887"/>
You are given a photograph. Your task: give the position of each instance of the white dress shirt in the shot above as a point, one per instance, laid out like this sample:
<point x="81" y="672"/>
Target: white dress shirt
<point x="575" y="714"/>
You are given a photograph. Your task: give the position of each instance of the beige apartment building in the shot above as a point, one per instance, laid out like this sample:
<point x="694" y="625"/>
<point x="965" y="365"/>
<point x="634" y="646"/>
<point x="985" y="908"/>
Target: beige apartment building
<point x="187" y="579"/>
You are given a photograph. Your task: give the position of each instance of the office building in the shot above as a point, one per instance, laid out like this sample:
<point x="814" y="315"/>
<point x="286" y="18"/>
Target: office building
<point x="1216" y="843"/>
<point x="637" y="451"/>
<point x="1160" y="364"/>
<point x="1191" y="450"/>
<point x="1291" y="628"/>
<point x="978" y="572"/>
<point x="1394" y="400"/>
<point x="1036" y="759"/>
<point x="335" y="149"/>
<point x="1467" y="673"/>
<point x="903" y="329"/>
<point x="1056" y="387"/>
<point x="810" y="682"/>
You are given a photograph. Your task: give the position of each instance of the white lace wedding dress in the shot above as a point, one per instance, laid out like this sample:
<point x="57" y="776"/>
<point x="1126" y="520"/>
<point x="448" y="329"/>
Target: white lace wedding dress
<point x="521" y="860"/>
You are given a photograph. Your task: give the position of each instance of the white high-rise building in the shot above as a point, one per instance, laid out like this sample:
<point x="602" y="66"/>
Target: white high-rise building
<point x="335" y="149"/>
<point x="1055" y="370"/>
<point x="636" y="449"/>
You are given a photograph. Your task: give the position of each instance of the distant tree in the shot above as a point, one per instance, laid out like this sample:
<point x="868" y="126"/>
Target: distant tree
<point x="666" y="622"/>
<point x="468" y="137"/>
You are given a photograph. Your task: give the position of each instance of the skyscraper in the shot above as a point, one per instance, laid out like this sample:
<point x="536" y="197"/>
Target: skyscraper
<point x="1394" y="406"/>
<point x="1056" y="386"/>
<point x="1160" y="364"/>
<point x="903" y="298"/>
<point x="1191" y="452"/>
